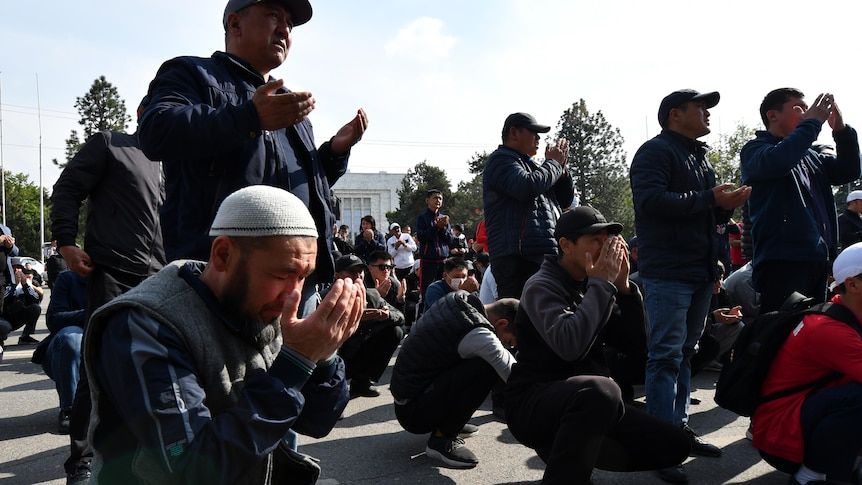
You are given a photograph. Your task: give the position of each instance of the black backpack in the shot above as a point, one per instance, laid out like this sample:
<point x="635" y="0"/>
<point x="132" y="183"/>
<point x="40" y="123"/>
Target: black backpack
<point x="742" y="377"/>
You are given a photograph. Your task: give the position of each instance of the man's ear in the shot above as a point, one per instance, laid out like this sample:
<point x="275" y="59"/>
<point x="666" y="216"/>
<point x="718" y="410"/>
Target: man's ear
<point x="223" y="249"/>
<point x="501" y="323"/>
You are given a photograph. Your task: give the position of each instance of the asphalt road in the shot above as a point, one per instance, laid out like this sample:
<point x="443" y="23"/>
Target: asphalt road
<point x="367" y="446"/>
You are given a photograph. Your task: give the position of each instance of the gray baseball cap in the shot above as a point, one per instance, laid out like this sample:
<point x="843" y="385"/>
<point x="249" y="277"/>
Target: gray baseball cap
<point x="300" y="10"/>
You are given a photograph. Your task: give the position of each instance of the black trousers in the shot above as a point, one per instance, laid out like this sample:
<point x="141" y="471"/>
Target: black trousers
<point x="450" y="401"/>
<point x="367" y="356"/>
<point x="104" y="285"/>
<point x="777" y="280"/>
<point x="511" y="273"/>
<point x="581" y="423"/>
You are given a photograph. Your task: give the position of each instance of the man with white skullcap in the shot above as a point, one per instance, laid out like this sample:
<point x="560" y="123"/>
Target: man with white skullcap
<point x="815" y="432"/>
<point x="198" y="373"/>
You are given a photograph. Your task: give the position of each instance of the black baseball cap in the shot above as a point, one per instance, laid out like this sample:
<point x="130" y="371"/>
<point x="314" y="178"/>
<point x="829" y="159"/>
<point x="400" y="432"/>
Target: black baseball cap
<point x="677" y="98"/>
<point x="348" y="261"/>
<point x="584" y="220"/>
<point x="300" y="10"/>
<point x="524" y="120"/>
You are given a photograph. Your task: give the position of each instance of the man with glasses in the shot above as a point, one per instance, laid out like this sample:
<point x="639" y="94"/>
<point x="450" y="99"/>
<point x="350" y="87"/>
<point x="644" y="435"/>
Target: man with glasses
<point x="380" y="277"/>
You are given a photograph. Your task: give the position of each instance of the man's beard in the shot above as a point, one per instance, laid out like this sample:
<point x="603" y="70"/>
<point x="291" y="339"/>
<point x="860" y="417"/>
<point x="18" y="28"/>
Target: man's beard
<point x="251" y="328"/>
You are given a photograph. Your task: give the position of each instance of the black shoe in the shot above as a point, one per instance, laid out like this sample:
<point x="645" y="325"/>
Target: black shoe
<point x="468" y="430"/>
<point x="63" y="422"/>
<point x="498" y="411"/>
<point x="674" y="474"/>
<point x="698" y="446"/>
<point x="450" y="451"/>
<point x="362" y="388"/>
<point x="80" y="477"/>
<point x="693" y="401"/>
<point x="27" y="340"/>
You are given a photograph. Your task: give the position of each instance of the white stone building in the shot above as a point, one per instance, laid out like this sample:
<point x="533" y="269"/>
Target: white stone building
<point x="360" y="194"/>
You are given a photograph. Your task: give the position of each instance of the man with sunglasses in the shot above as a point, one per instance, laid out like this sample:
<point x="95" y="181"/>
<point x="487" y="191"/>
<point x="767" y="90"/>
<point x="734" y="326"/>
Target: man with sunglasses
<point x="379" y="276"/>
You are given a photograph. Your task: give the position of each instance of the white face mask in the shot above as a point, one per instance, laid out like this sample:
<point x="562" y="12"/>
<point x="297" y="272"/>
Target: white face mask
<point x="455" y="283"/>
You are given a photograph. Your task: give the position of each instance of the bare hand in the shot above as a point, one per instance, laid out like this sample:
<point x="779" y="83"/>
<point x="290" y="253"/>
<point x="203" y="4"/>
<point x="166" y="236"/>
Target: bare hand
<point x="77" y="260"/>
<point x="608" y="262"/>
<point x="277" y="111"/>
<point x="383" y="286"/>
<point x="402" y="290"/>
<point x="442" y="221"/>
<point x="350" y="134"/>
<point x="730" y="199"/>
<point x="558" y="152"/>
<point x="836" y="119"/>
<point x="820" y="110"/>
<point x="7" y="241"/>
<point x="470" y="284"/>
<point x="336" y="318"/>
<point x="728" y="316"/>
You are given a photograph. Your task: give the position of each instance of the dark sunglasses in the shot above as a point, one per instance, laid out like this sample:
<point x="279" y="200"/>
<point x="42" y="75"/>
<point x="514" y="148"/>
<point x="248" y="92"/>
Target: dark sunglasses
<point x="383" y="267"/>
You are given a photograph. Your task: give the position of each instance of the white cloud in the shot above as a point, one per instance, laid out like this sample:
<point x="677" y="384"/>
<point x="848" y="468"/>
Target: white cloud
<point x="422" y="40"/>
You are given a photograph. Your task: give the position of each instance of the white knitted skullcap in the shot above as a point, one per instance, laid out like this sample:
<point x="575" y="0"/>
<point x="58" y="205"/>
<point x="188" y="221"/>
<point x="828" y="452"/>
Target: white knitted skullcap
<point x="261" y="210"/>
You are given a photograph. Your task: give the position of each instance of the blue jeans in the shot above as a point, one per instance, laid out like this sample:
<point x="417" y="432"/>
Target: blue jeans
<point x="676" y="311"/>
<point x="62" y="361"/>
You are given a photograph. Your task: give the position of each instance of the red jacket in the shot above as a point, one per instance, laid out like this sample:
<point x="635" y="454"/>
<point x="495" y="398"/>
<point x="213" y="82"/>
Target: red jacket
<point x="815" y="348"/>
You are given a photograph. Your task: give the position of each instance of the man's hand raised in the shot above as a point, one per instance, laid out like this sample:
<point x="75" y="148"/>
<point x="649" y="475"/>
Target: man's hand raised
<point x="277" y="111"/>
<point x="336" y="318"/>
<point x="350" y="134"/>
<point x="730" y="199"/>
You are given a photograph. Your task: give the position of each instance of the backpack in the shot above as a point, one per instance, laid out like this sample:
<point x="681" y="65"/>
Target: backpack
<point x="742" y="377"/>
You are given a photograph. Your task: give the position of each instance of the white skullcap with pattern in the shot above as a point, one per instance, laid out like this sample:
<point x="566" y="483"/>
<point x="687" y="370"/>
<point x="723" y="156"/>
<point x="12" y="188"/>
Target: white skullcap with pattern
<point x="262" y="210"/>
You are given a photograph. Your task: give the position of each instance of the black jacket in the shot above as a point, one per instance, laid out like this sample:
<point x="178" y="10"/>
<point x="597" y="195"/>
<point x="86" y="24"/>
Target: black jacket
<point x="125" y="191"/>
<point x="676" y="219"/>
<point x="849" y="228"/>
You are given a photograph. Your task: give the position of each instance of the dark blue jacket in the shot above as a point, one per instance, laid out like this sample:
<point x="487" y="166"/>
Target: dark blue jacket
<point x="68" y="307"/>
<point x="522" y="203"/>
<point x="202" y="124"/>
<point x="433" y="241"/>
<point x="676" y="220"/>
<point x="784" y="223"/>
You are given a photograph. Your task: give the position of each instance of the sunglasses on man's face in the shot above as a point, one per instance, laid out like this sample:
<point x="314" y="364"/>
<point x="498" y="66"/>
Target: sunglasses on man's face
<point x="383" y="267"/>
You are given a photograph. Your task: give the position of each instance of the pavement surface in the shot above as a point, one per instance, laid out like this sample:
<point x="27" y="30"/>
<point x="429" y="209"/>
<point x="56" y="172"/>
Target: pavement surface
<point x="367" y="446"/>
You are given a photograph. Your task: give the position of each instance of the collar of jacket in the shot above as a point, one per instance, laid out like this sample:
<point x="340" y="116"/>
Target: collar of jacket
<point x="692" y="145"/>
<point x="244" y="66"/>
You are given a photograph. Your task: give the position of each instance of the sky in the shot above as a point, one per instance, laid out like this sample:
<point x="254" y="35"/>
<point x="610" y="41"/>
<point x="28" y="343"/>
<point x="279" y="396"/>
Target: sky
<point x="438" y="77"/>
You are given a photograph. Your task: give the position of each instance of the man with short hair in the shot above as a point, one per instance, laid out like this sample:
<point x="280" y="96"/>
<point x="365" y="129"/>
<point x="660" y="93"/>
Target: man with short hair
<point x="198" y="373"/>
<point x="222" y="123"/>
<point x="367" y="353"/>
<point x="444" y="371"/>
<point x="792" y="209"/>
<point x="815" y="433"/>
<point x="455" y="277"/>
<point x="435" y="236"/>
<point x="522" y="201"/>
<point x="850" y="221"/>
<point x="401" y="247"/>
<point x="379" y="276"/>
<point x="560" y="399"/>
<point x="678" y="207"/>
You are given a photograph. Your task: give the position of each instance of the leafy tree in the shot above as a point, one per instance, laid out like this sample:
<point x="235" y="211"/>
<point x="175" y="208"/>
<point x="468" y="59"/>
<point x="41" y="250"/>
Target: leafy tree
<point x="411" y="195"/>
<point x="597" y="162"/>
<point x="724" y="156"/>
<point x="22" y="213"/>
<point x="466" y="207"/>
<point x="100" y="109"/>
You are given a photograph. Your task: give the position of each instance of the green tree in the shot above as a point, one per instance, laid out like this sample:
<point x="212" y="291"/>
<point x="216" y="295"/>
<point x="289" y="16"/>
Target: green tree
<point x="466" y="207"/>
<point x="724" y="156"/>
<point x="411" y="195"/>
<point x="22" y="213"/>
<point x="597" y="162"/>
<point x="101" y="108"/>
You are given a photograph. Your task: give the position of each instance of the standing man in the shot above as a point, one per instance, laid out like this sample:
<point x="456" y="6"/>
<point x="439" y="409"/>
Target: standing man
<point x="792" y="210"/>
<point x="850" y="222"/>
<point x="222" y="123"/>
<point x="401" y="246"/>
<point x="523" y="201"/>
<point x="435" y="236"/>
<point x="122" y="243"/>
<point x="8" y="249"/>
<point x="199" y="372"/>
<point x="677" y="210"/>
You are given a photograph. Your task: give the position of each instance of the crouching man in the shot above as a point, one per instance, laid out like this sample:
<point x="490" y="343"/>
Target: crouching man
<point x="559" y="398"/>
<point x="454" y="356"/>
<point x="199" y="372"/>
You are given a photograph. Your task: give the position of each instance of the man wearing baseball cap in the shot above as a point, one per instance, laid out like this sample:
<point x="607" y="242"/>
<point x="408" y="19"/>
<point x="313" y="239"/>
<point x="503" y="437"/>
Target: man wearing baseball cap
<point x="559" y="398"/>
<point x="224" y="122"/>
<point x="677" y="209"/>
<point x="850" y="222"/>
<point x="816" y="434"/>
<point x="522" y="201"/>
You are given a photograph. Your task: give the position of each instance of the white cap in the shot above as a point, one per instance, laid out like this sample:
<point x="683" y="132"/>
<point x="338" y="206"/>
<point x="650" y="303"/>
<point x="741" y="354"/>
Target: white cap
<point x="394" y="225"/>
<point x="261" y="210"/>
<point x="855" y="195"/>
<point x="847" y="264"/>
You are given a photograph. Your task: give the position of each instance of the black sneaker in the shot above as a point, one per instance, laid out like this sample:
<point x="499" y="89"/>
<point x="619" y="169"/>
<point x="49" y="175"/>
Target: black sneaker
<point x="698" y="446"/>
<point x="674" y="474"/>
<point x="80" y="477"/>
<point x="468" y="430"/>
<point x="450" y="451"/>
<point x="27" y="340"/>
<point x="63" y="422"/>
